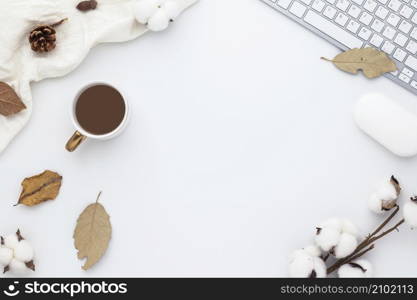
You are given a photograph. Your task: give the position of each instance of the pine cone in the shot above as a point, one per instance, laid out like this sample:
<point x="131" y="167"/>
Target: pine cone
<point x="42" y="39"/>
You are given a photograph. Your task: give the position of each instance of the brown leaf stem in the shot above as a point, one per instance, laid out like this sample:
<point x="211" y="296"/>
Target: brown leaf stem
<point x="59" y="23"/>
<point x="368" y="242"/>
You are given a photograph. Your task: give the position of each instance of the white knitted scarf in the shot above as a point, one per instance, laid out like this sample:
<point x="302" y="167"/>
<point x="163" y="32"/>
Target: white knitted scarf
<point x="112" y="21"/>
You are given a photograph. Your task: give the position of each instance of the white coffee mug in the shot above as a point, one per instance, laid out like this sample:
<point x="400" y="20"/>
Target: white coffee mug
<point x="81" y="134"/>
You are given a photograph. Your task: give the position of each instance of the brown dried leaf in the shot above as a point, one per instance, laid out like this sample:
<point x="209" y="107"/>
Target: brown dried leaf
<point x="87" y="5"/>
<point x="40" y="188"/>
<point x="19" y="235"/>
<point x="30" y="265"/>
<point x="396" y="184"/>
<point x="10" y="102"/>
<point x="92" y="234"/>
<point x="372" y="62"/>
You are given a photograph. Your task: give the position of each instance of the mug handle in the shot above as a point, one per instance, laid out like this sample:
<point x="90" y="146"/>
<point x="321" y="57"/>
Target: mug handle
<point x="73" y="143"/>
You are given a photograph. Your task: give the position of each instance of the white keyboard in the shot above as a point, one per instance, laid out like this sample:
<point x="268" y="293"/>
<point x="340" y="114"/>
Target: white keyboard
<point x="388" y="25"/>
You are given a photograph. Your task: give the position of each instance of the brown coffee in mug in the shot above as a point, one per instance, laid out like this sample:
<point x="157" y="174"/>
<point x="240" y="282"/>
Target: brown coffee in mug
<point x="100" y="109"/>
<point x="99" y="112"/>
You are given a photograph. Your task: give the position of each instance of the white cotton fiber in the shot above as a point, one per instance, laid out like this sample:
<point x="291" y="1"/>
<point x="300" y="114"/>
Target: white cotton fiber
<point x="347" y="244"/>
<point x="23" y="251"/>
<point x="6" y="256"/>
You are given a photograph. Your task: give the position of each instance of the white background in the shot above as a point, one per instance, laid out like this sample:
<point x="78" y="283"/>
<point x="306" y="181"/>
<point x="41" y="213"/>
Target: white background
<point x="241" y="140"/>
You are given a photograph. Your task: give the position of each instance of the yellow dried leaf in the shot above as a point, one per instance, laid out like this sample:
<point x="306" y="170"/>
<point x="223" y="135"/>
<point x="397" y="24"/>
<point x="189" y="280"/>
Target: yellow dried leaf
<point x="372" y="62"/>
<point x="92" y="234"/>
<point x="40" y="188"/>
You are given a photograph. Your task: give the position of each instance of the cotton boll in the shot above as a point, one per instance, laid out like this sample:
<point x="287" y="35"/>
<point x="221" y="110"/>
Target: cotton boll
<point x="327" y="238"/>
<point x="11" y="241"/>
<point x="159" y="21"/>
<point x="172" y="9"/>
<point x="410" y="213"/>
<point x="347" y="244"/>
<point x="6" y="256"/>
<point x="387" y="191"/>
<point x="357" y="269"/>
<point x="144" y="9"/>
<point x="385" y="196"/>
<point x="23" y="251"/>
<point x="17" y="267"/>
<point x="349" y="227"/>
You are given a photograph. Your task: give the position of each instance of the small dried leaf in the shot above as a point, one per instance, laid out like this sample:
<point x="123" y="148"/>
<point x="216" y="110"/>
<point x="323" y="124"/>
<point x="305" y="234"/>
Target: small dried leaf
<point x="10" y="102"/>
<point x="19" y="235"/>
<point x="313" y="274"/>
<point x="396" y="185"/>
<point x="6" y="269"/>
<point x="92" y="234"/>
<point x="30" y="265"/>
<point x="40" y="188"/>
<point x="87" y="5"/>
<point x="372" y="62"/>
<point x="358" y="266"/>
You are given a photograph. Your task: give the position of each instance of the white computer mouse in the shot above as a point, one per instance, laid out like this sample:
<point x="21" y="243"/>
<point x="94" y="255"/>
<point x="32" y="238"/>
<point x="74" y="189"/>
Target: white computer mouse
<point x="388" y="123"/>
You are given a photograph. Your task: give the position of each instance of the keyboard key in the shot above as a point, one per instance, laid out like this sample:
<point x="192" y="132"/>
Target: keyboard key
<point x="297" y="9"/>
<point x="341" y="19"/>
<point x="414" y="84"/>
<point x="365" y="18"/>
<point x="411" y="62"/>
<point x="389" y="32"/>
<point x="332" y="30"/>
<point x="370" y="5"/>
<point x="376" y="40"/>
<point x="412" y="47"/>
<point x="383" y="1"/>
<point x="406" y="11"/>
<point x="382" y="12"/>
<point x="329" y="12"/>
<point x="377" y="25"/>
<point x="404" y="78"/>
<point x="399" y="54"/>
<point x="414" y="18"/>
<point x="284" y="3"/>
<point x="353" y="26"/>
<point x="388" y="47"/>
<point x="393" y="19"/>
<point x="318" y="5"/>
<point x="405" y="26"/>
<point x="394" y="5"/>
<point x="414" y="3"/>
<point x="413" y="33"/>
<point x="358" y="2"/>
<point x="307" y="2"/>
<point x="365" y="33"/>
<point x="354" y="11"/>
<point x="342" y="4"/>
<point x="401" y="39"/>
<point x="408" y="72"/>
